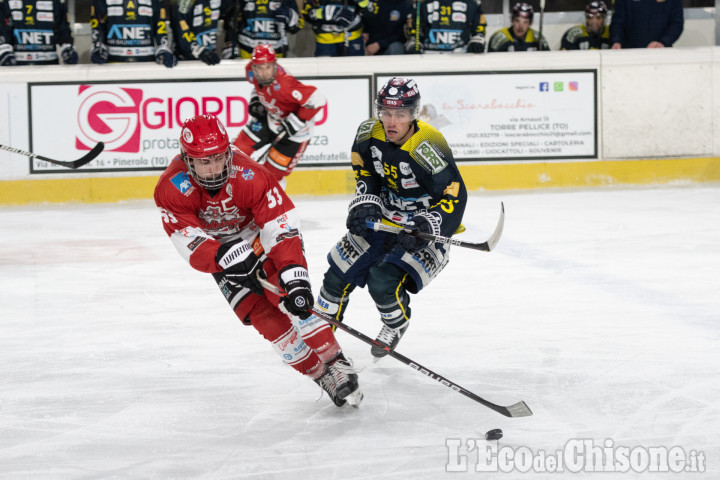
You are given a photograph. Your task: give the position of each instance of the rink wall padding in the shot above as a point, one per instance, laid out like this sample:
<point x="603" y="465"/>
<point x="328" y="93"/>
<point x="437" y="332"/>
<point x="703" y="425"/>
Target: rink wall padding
<point x="341" y="181"/>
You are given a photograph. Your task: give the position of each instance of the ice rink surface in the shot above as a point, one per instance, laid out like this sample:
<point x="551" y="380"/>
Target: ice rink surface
<point x="600" y="308"/>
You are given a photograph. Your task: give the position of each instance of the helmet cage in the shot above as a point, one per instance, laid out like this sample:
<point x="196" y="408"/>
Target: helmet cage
<point x="216" y="181"/>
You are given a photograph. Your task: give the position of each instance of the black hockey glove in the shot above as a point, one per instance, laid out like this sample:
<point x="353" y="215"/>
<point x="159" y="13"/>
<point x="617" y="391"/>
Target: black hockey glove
<point x="256" y="108"/>
<point x="206" y="55"/>
<point x="295" y="280"/>
<point x="230" y="52"/>
<point x="99" y="51"/>
<point x="476" y="44"/>
<point x="339" y="15"/>
<point x="7" y="54"/>
<point x="292" y="124"/>
<point x="420" y="223"/>
<point x="164" y="56"/>
<point x="412" y="47"/>
<point x="68" y="54"/>
<point x="240" y="265"/>
<point x="289" y="17"/>
<point x="362" y="209"/>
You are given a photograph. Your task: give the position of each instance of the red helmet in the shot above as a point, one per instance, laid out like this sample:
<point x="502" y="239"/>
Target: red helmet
<point x="524" y="10"/>
<point x="204" y="136"/>
<point x="263" y="53"/>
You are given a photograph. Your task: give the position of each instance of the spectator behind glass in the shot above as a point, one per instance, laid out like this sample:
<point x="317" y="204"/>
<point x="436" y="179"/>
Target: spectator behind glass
<point x="337" y="25"/>
<point x="594" y="35"/>
<point x="646" y="23"/>
<point x="518" y="37"/>
<point x="383" y="25"/>
<point x="31" y="31"/>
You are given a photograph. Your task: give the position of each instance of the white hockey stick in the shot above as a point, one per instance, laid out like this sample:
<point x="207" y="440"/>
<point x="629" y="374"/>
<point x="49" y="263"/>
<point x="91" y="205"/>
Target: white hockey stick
<point x="84" y="160"/>
<point x="485" y="246"/>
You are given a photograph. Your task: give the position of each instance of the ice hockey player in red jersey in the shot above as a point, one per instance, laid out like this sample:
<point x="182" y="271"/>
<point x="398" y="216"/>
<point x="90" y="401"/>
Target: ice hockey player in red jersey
<point x="228" y="217"/>
<point x="282" y="112"/>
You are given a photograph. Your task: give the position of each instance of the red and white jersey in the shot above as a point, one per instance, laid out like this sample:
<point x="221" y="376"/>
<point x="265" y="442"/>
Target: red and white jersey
<point x="287" y="95"/>
<point x="251" y="205"/>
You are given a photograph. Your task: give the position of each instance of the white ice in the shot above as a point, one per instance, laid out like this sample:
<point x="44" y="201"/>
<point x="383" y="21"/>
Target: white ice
<point x="600" y="308"/>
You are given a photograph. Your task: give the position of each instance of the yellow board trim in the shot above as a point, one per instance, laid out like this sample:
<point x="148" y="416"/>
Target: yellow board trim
<point x="501" y="176"/>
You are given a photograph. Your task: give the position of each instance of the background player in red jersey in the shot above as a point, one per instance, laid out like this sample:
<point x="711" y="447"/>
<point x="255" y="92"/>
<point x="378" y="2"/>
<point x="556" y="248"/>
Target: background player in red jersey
<point x="282" y="111"/>
<point x="227" y="216"/>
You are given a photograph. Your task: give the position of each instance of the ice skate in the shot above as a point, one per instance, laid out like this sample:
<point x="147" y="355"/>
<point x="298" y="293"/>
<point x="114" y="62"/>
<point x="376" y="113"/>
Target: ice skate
<point x="327" y="383"/>
<point x="388" y="338"/>
<point x="346" y="379"/>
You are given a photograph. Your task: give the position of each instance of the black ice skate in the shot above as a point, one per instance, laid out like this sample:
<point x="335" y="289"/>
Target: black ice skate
<point x="327" y="383"/>
<point x="346" y="379"/>
<point x="388" y="338"/>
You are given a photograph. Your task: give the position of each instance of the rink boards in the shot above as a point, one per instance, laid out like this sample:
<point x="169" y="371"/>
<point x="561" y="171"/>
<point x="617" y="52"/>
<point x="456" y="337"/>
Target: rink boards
<point x="514" y="121"/>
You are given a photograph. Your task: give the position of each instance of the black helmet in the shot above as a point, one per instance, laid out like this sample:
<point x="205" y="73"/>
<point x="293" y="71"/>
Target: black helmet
<point x="399" y="92"/>
<point x="594" y="7"/>
<point x="524" y="10"/>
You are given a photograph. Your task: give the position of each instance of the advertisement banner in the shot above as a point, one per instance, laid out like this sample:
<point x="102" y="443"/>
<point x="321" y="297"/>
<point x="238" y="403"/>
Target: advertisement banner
<point x="512" y="116"/>
<point x="139" y="122"/>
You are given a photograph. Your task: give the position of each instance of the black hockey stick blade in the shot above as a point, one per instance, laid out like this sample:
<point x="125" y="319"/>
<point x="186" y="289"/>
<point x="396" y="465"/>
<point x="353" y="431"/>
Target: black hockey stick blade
<point x="519" y="409"/>
<point x="485" y="246"/>
<point x="84" y="160"/>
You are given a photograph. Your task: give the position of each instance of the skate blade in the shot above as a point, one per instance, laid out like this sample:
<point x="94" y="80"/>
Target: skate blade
<point x="354" y="398"/>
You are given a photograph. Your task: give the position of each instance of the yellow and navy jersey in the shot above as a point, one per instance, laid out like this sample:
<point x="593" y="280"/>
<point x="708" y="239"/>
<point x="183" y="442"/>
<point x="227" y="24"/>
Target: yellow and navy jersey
<point x="35" y="28"/>
<point x="504" y="41"/>
<point x="195" y="24"/>
<point x="579" y="38"/>
<point x="327" y="30"/>
<point x="131" y="29"/>
<point x="446" y="25"/>
<point x="259" y="22"/>
<point x="417" y="176"/>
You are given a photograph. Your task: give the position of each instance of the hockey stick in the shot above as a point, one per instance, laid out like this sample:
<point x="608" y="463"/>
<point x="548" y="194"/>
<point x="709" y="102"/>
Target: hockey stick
<point x="84" y="160"/>
<point x="519" y="409"/>
<point x="346" y="35"/>
<point x="542" y="13"/>
<point x="482" y="246"/>
<point x="417" y="25"/>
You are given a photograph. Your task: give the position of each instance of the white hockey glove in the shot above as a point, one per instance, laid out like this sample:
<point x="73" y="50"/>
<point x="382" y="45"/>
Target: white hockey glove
<point x="292" y="124"/>
<point x="7" y="55"/>
<point x="295" y="280"/>
<point x="68" y="54"/>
